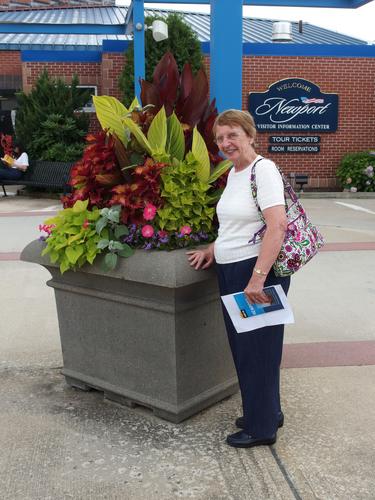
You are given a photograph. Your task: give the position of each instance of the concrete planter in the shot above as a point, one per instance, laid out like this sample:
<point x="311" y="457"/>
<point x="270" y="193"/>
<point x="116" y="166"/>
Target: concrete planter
<point x="149" y="333"/>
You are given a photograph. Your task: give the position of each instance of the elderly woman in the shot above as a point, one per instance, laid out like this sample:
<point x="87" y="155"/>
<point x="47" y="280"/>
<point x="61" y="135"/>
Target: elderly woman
<point x="248" y="267"/>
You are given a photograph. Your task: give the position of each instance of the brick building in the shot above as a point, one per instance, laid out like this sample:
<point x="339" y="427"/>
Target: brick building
<point x="90" y="42"/>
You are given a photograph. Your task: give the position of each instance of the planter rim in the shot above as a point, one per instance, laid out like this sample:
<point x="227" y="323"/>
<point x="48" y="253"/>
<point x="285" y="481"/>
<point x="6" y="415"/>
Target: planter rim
<point x="160" y="268"/>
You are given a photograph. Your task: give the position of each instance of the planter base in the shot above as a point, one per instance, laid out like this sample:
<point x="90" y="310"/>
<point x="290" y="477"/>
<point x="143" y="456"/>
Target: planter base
<point x="159" y="408"/>
<point x="149" y="333"/>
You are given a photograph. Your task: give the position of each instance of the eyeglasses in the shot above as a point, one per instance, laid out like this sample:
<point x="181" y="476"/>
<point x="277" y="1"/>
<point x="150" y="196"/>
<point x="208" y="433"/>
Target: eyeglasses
<point x="232" y="136"/>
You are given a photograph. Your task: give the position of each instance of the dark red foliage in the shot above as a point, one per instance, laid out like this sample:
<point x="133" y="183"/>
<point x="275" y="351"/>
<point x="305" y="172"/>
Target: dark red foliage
<point x="96" y="173"/>
<point x="187" y="96"/>
<point x="143" y="187"/>
<point x="6" y="144"/>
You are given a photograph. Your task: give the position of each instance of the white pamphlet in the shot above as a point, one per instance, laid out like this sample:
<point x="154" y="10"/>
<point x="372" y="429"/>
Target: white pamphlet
<point x="247" y="317"/>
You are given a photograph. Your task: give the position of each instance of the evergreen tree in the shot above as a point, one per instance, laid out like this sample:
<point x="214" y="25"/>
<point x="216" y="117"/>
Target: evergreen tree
<point x="49" y="98"/>
<point x="182" y="42"/>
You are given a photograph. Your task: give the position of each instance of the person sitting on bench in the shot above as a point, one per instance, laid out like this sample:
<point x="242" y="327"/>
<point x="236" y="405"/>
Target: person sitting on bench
<point x="15" y="167"/>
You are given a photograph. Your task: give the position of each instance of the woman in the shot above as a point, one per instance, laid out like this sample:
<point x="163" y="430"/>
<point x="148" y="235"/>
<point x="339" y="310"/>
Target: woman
<point x="248" y="267"/>
<point x="14" y="170"/>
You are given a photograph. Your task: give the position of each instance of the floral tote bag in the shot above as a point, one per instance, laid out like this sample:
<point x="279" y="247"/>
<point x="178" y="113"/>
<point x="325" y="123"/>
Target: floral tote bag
<point x="302" y="239"/>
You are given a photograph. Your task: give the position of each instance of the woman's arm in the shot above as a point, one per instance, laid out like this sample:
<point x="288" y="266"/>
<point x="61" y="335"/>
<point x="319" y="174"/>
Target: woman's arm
<point x="202" y="258"/>
<point x="20" y="166"/>
<point x="273" y="238"/>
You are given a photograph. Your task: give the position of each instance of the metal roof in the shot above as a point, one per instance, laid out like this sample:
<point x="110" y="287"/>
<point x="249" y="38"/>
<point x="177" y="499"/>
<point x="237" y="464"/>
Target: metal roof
<point x="106" y="22"/>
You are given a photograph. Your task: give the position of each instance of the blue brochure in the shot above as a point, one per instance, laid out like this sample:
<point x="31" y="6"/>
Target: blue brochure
<point x="248" y="310"/>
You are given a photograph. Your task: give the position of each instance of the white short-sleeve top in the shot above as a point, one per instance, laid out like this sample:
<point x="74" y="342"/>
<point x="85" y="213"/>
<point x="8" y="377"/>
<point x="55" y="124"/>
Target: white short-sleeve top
<point x="23" y="159"/>
<point x="237" y="213"/>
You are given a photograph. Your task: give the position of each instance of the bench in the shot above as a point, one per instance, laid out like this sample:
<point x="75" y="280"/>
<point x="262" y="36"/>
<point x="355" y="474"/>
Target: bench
<point x="45" y="174"/>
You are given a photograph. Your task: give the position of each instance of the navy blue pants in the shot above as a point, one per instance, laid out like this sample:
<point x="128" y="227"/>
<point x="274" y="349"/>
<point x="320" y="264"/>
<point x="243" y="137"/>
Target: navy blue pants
<point x="256" y="354"/>
<point x="7" y="173"/>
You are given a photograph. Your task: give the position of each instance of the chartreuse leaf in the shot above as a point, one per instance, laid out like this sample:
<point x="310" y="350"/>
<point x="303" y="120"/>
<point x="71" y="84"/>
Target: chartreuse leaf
<point x="219" y="170"/>
<point x="110" y="112"/>
<point x="138" y="134"/>
<point x="157" y="133"/>
<point x="200" y="153"/>
<point x="80" y="206"/>
<point x="64" y="266"/>
<point x="134" y="104"/>
<point x="176" y="139"/>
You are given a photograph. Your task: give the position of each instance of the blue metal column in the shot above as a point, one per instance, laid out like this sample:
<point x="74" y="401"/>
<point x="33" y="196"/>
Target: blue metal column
<point x="139" y="45"/>
<point x="226" y="53"/>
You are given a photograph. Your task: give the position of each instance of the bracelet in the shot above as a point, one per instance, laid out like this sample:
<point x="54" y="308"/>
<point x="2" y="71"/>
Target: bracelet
<point x="259" y="272"/>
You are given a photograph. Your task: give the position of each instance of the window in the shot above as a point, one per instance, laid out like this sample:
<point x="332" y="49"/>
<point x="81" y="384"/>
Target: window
<point x="89" y="107"/>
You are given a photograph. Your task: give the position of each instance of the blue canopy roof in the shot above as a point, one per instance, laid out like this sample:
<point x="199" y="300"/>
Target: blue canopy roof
<point x="87" y="27"/>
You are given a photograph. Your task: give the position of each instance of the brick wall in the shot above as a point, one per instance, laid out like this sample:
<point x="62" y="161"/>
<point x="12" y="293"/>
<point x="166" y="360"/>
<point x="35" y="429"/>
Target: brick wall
<point x="10" y="62"/>
<point x="112" y="65"/>
<point x="88" y="74"/>
<point x="353" y="79"/>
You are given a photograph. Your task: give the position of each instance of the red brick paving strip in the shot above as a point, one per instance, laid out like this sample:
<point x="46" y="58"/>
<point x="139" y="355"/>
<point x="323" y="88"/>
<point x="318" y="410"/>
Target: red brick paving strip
<point x="347" y="247"/>
<point x="29" y="214"/>
<point x="323" y="354"/>
<point x="10" y="255"/>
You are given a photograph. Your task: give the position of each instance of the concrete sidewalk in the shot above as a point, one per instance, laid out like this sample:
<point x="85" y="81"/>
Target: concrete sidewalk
<point x="60" y="443"/>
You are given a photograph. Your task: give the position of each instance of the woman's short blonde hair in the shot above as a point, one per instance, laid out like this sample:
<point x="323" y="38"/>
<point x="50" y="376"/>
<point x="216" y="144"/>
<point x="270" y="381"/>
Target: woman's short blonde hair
<point x="236" y="117"/>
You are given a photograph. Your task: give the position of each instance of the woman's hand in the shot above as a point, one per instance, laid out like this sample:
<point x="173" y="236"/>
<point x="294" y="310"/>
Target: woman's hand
<point x="202" y="258"/>
<point x="254" y="290"/>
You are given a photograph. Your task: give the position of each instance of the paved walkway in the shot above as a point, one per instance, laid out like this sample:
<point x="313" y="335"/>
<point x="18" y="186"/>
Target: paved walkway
<point x="59" y="443"/>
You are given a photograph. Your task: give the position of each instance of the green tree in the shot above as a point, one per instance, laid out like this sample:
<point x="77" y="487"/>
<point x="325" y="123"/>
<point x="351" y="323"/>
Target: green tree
<point x="182" y="42"/>
<point x="52" y="99"/>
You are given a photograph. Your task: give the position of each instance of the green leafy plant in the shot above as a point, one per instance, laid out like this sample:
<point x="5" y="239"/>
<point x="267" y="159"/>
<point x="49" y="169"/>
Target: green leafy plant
<point x="182" y="42"/>
<point x="186" y="198"/>
<point x="49" y="98"/>
<point x="77" y="235"/>
<point x="357" y="171"/>
<point x="109" y="226"/>
<point x="73" y="239"/>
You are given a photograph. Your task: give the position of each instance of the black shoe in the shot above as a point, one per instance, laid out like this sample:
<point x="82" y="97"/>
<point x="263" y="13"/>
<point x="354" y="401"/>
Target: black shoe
<point x="240" y="421"/>
<point x="243" y="440"/>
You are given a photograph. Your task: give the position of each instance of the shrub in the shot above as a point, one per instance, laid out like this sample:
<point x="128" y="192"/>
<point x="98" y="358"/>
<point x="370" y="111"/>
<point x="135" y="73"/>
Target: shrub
<point x="37" y="123"/>
<point x="357" y="171"/>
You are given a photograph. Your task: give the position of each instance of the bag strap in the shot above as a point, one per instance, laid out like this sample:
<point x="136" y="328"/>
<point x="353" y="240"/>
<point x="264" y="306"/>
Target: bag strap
<point x="288" y="191"/>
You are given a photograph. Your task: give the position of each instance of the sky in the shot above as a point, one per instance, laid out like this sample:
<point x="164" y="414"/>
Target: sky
<point x="359" y="23"/>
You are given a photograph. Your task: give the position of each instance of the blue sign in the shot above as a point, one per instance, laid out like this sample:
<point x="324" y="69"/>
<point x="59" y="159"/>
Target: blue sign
<point x="293" y="105"/>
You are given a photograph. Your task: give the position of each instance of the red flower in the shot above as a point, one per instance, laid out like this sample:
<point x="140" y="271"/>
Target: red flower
<point x="149" y="211"/>
<point x="185" y="230"/>
<point x="147" y="231"/>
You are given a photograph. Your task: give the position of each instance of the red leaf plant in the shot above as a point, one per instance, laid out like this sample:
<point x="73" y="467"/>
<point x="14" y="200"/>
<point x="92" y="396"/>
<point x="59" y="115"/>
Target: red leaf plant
<point x="98" y="178"/>
<point x="6" y="144"/>
<point x="96" y="173"/>
<point x="142" y="189"/>
<point x="187" y="96"/>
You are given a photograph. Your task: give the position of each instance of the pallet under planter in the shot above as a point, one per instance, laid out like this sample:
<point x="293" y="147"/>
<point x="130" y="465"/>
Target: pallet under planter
<point x="149" y="333"/>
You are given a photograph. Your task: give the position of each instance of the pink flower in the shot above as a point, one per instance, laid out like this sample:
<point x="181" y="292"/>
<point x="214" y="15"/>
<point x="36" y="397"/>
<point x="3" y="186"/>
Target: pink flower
<point x="162" y="234"/>
<point x="149" y="211"/>
<point x="86" y="224"/>
<point x="185" y="230"/>
<point x="147" y="231"/>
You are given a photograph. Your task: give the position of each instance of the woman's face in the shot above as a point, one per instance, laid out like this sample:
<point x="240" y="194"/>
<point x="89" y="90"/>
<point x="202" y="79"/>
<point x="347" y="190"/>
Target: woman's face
<point x="234" y="142"/>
